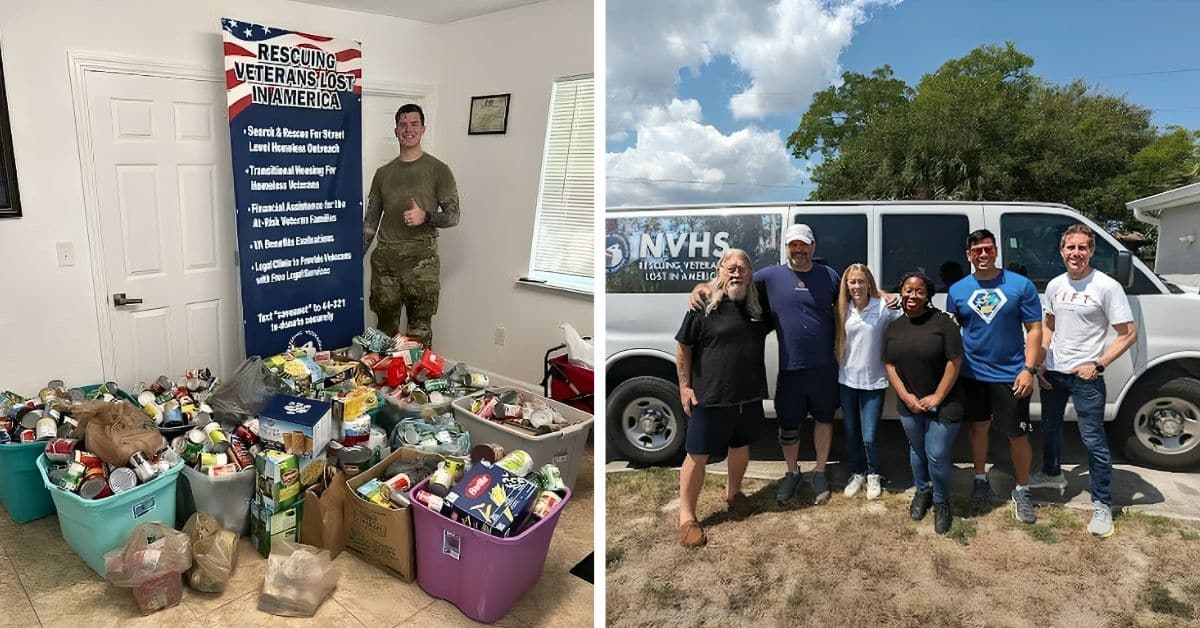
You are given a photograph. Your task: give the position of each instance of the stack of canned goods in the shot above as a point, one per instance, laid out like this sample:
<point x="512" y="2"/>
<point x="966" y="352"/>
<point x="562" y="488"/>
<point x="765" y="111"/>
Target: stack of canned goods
<point x="177" y="403"/>
<point x="215" y="451"/>
<point x="79" y="471"/>
<point x="47" y="415"/>
<point x="524" y="411"/>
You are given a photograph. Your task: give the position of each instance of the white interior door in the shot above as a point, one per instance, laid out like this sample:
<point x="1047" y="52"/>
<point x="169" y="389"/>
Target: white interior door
<point x="165" y="202"/>
<point x="379" y="146"/>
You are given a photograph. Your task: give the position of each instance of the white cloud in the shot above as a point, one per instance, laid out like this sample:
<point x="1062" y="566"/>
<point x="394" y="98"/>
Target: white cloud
<point x="678" y="159"/>
<point x="789" y="49"/>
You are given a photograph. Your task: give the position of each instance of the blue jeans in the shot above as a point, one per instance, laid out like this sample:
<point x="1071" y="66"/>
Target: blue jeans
<point x="930" y="445"/>
<point x="1088" y="397"/>
<point x="861" y="410"/>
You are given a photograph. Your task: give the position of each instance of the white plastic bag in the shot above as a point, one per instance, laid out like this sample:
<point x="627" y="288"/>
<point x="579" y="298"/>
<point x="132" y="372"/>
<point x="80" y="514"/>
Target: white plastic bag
<point x="580" y="352"/>
<point x="298" y="579"/>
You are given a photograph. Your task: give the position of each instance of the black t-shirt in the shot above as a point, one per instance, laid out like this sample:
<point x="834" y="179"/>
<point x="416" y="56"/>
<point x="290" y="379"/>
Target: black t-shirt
<point x="919" y="348"/>
<point x="727" y="354"/>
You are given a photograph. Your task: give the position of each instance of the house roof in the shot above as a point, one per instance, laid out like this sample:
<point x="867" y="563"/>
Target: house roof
<point x="1185" y="195"/>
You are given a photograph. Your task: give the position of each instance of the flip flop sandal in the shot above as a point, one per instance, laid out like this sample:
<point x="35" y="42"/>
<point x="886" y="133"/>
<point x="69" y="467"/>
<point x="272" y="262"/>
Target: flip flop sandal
<point x="690" y="534"/>
<point x="740" y="505"/>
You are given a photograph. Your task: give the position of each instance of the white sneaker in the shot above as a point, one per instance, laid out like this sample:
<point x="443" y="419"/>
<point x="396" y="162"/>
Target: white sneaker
<point x="874" y="490"/>
<point x="1102" y="524"/>
<point x="1038" y="479"/>
<point x="854" y="485"/>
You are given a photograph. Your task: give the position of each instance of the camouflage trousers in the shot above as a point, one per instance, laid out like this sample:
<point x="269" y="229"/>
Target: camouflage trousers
<point x="406" y="277"/>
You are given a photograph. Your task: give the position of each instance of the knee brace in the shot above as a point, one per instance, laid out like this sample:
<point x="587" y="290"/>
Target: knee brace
<point x="789" y="436"/>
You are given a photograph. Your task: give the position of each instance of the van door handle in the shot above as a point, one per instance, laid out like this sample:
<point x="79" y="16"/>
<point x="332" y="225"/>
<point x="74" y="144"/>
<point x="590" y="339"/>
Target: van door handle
<point x="120" y="299"/>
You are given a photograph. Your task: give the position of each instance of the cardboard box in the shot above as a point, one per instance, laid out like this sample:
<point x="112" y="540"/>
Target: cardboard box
<point x="381" y="535"/>
<point x="491" y="500"/>
<point x="277" y="480"/>
<point x="266" y="526"/>
<point x="296" y="425"/>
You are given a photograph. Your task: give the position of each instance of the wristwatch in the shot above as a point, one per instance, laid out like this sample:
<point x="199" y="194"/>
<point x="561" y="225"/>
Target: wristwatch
<point x="1099" y="366"/>
<point x="1033" y="370"/>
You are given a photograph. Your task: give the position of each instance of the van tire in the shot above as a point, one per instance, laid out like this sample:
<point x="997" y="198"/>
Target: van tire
<point x="641" y="400"/>
<point x="1177" y="397"/>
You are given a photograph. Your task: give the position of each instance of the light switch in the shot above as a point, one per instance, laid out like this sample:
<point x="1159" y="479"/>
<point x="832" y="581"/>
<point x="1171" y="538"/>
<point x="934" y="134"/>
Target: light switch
<point x="66" y="253"/>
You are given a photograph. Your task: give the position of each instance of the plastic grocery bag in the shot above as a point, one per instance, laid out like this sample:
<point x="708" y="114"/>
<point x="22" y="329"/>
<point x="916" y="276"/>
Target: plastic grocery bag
<point x="245" y="393"/>
<point x="580" y="351"/>
<point x="214" y="553"/>
<point x="437" y="435"/>
<point x="151" y="564"/>
<point x="297" y="581"/>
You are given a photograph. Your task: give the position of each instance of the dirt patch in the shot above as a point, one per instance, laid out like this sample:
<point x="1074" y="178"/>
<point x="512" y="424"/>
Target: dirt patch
<point x="853" y="562"/>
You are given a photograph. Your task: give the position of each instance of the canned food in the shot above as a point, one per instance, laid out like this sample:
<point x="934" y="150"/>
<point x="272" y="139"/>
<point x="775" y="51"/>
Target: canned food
<point x="434" y="502"/>
<point x="95" y="488"/>
<point x="145" y="398"/>
<point x="172" y="414"/>
<point x="69" y="428"/>
<point x="552" y="478"/>
<point x="241" y="456"/>
<point x="212" y="460"/>
<point x="179" y="445"/>
<point x="487" y="451"/>
<point x="518" y="462"/>
<point x="28" y="436"/>
<point x="61" y="449"/>
<point x="477" y="380"/>
<point x="142" y="467"/>
<point x="161" y="385"/>
<point x="29" y="417"/>
<point x="111" y="388"/>
<point x="436" y="385"/>
<point x="214" y="433"/>
<point x="46" y="428"/>
<point x="546" y="502"/>
<point x="219" y="470"/>
<point x="195" y="445"/>
<point x="74" y="477"/>
<point x="456" y="468"/>
<point x="399" y="482"/>
<point x="5" y="436"/>
<point x="243" y="433"/>
<point x="122" y="479"/>
<point x="88" y="459"/>
<point x="355" y="460"/>
<point x="441" y="481"/>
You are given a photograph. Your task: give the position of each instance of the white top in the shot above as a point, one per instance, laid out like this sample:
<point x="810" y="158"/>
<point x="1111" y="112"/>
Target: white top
<point x="862" y="364"/>
<point x="1083" y="310"/>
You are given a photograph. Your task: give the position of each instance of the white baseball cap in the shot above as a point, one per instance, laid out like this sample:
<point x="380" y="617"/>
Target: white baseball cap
<point x="799" y="232"/>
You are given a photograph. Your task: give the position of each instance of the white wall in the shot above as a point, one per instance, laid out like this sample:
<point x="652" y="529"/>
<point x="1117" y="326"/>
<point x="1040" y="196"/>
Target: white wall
<point x="520" y="51"/>
<point x="1175" y="257"/>
<point x="48" y="325"/>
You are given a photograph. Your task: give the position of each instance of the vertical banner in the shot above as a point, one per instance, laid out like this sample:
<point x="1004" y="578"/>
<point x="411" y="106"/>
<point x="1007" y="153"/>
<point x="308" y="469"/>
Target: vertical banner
<point x="295" y="132"/>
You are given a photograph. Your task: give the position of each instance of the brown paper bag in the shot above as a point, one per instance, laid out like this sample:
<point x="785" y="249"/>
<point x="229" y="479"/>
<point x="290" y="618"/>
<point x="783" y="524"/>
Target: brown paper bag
<point x="321" y="522"/>
<point x="114" y="431"/>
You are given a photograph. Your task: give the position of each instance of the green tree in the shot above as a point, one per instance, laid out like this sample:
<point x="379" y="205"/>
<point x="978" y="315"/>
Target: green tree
<point x="985" y="127"/>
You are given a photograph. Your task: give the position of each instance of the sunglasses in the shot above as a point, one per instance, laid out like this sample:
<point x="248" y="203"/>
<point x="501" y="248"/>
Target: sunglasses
<point x="987" y="249"/>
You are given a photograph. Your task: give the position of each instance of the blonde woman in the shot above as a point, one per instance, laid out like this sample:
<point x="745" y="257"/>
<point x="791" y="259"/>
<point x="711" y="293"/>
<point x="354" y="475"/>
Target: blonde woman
<point x="862" y="319"/>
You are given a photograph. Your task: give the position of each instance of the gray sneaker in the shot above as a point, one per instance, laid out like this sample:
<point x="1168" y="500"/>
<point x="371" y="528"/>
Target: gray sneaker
<point x="981" y="496"/>
<point x="787" y="486"/>
<point x="820" y="488"/>
<point x="1102" y="523"/>
<point x="1023" y="506"/>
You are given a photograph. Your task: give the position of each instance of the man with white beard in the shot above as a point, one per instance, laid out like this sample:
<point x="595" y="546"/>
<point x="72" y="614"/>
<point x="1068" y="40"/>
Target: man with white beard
<point x="722" y="383"/>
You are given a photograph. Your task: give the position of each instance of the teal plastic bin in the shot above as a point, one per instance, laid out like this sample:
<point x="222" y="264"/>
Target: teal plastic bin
<point x="22" y="492"/>
<point x="94" y="527"/>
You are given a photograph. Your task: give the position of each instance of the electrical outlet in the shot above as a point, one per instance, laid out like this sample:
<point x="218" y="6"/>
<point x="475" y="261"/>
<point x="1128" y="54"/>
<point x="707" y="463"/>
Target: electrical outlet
<point x="66" y="253"/>
<point x="501" y="335"/>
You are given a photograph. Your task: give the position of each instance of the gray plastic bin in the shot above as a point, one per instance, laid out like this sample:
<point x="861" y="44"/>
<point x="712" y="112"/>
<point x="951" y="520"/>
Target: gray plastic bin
<point x="227" y="498"/>
<point x="563" y="448"/>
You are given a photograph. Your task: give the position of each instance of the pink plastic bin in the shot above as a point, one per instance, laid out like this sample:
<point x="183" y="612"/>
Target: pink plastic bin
<point x="490" y="573"/>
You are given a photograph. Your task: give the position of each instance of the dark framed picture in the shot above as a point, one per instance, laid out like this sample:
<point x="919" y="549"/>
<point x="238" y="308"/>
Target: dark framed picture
<point x="10" y="200"/>
<point x="489" y="115"/>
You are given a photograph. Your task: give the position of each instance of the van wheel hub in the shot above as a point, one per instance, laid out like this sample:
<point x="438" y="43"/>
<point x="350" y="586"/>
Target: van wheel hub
<point x="648" y="423"/>
<point x="1168" y="424"/>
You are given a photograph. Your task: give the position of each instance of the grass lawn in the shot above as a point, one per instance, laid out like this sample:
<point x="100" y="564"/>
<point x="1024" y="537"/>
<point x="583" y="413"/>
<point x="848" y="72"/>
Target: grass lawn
<point x="858" y="563"/>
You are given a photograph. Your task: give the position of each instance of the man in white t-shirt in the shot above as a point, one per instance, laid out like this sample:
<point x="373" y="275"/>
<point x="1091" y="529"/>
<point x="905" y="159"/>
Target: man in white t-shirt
<point x="1080" y="305"/>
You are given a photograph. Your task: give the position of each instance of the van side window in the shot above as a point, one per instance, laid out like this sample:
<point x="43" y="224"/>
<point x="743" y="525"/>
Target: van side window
<point x="673" y="253"/>
<point x="933" y="244"/>
<point x="841" y="238"/>
<point x="1030" y="245"/>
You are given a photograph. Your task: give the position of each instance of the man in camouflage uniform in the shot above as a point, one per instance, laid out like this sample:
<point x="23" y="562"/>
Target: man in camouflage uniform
<point x="405" y="270"/>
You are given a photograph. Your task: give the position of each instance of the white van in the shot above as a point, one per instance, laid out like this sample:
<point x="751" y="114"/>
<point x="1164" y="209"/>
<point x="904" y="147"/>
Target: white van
<point x="655" y="255"/>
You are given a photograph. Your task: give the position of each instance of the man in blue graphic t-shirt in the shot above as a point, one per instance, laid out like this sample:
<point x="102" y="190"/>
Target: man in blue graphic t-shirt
<point x="800" y="296"/>
<point x="999" y="312"/>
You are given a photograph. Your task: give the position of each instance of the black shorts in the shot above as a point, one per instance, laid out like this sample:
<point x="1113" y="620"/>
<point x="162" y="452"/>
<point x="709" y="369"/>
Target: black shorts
<point x="714" y="430"/>
<point x="991" y="401"/>
<point x="804" y="391"/>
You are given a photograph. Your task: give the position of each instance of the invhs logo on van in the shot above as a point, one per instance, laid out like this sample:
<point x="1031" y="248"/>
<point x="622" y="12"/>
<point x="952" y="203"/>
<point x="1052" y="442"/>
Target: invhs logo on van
<point x="616" y="253"/>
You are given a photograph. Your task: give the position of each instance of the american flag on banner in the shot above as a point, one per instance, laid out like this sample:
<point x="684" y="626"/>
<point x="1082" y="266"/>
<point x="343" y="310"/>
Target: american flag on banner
<point x="242" y="41"/>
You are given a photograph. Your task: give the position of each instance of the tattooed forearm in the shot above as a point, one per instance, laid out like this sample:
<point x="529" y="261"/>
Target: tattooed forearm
<point x="683" y="365"/>
<point x="448" y="216"/>
<point x="371" y="221"/>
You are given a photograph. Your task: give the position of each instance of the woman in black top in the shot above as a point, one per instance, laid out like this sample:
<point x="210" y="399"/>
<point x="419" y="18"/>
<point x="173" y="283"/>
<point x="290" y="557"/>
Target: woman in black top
<point x="722" y="382"/>
<point x="922" y="352"/>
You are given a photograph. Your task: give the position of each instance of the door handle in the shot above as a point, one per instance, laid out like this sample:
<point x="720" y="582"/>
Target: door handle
<point x="120" y="299"/>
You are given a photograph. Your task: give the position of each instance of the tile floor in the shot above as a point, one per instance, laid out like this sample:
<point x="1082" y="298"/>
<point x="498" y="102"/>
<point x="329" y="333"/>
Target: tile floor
<point x="46" y="584"/>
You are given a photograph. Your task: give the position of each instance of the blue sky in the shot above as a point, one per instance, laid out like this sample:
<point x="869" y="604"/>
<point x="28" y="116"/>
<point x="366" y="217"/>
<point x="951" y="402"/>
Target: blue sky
<point x="675" y="122"/>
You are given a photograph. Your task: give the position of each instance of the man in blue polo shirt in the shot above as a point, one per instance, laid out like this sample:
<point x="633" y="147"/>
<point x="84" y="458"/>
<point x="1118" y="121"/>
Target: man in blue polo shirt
<point x="999" y="366"/>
